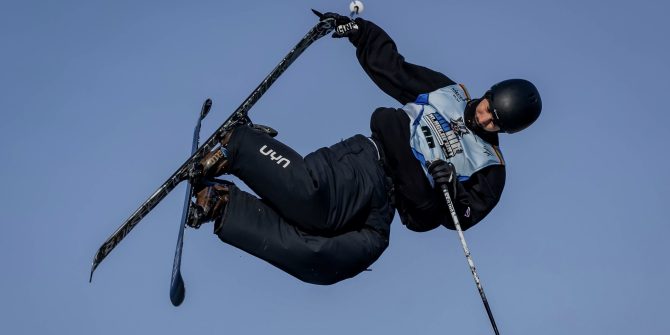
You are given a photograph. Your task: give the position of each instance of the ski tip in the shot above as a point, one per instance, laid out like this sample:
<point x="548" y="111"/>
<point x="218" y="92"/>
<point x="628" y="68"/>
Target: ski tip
<point x="317" y="13"/>
<point x="206" y="106"/>
<point x="177" y="293"/>
<point x="93" y="267"/>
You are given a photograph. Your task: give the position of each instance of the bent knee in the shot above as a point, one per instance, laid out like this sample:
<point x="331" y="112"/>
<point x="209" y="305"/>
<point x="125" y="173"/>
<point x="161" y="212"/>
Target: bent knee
<point x="328" y="266"/>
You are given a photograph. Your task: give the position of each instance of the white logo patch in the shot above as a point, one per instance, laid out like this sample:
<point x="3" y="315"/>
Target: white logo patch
<point x="273" y="156"/>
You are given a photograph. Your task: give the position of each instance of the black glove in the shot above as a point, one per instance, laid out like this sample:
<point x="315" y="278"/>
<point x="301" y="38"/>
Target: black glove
<point x="344" y="26"/>
<point x="443" y="173"/>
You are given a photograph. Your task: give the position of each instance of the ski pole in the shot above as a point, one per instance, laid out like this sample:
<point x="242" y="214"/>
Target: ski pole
<point x="356" y="8"/>
<point x="454" y="217"/>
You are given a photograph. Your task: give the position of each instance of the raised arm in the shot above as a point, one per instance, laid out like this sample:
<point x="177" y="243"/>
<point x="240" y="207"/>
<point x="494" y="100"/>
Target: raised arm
<point x="379" y="57"/>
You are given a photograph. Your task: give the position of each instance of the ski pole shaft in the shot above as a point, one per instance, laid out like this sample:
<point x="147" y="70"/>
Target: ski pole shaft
<point x="454" y="217"/>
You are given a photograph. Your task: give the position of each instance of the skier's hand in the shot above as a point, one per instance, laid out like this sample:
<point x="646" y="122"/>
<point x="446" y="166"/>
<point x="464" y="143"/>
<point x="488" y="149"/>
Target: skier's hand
<point x="344" y="26"/>
<point x="443" y="173"/>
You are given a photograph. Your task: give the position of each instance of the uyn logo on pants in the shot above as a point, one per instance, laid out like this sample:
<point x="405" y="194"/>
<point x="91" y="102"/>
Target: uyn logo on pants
<point x="273" y="156"/>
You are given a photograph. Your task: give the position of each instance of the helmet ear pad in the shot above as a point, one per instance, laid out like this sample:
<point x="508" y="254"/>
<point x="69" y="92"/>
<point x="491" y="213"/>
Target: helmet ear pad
<point x="516" y="104"/>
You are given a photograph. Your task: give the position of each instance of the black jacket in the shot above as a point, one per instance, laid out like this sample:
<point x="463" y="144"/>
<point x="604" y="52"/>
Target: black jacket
<point x="421" y="207"/>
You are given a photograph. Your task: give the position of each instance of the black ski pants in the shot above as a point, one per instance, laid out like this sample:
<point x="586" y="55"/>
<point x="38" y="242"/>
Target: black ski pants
<point x="322" y="218"/>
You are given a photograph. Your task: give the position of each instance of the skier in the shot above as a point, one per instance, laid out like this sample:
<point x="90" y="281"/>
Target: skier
<point x="326" y="217"/>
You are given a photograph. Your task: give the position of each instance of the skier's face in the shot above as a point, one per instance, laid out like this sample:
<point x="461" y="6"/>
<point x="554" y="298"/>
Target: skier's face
<point x="484" y="117"/>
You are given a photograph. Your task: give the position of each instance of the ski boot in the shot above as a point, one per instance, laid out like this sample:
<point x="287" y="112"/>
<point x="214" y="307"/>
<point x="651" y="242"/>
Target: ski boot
<point x="210" y="202"/>
<point x="216" y="162"/>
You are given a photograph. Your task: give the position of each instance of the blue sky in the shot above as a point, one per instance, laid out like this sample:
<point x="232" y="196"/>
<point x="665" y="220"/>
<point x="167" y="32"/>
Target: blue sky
<point x="98" y="103"/>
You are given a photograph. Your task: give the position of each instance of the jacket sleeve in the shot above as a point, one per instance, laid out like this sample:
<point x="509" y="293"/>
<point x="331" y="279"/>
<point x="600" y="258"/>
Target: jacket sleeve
<point x="475" y="198"/>
<point x="379" y="57"/>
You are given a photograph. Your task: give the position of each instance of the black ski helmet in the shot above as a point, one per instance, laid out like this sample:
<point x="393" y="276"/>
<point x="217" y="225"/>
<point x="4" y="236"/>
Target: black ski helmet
<point x="515" y="104"/>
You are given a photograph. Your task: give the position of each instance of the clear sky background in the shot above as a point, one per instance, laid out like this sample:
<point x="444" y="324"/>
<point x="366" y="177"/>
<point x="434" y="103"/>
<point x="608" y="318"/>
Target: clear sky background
<point x="98" y="102"/>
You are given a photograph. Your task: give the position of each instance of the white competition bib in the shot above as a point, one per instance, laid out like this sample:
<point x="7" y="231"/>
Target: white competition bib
<point x="437" y="131"/>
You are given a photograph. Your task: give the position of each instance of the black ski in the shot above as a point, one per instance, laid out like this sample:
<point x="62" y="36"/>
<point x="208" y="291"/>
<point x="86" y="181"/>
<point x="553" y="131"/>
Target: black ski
<point x="177" y="289"/>
<point x="191" y="168"/>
